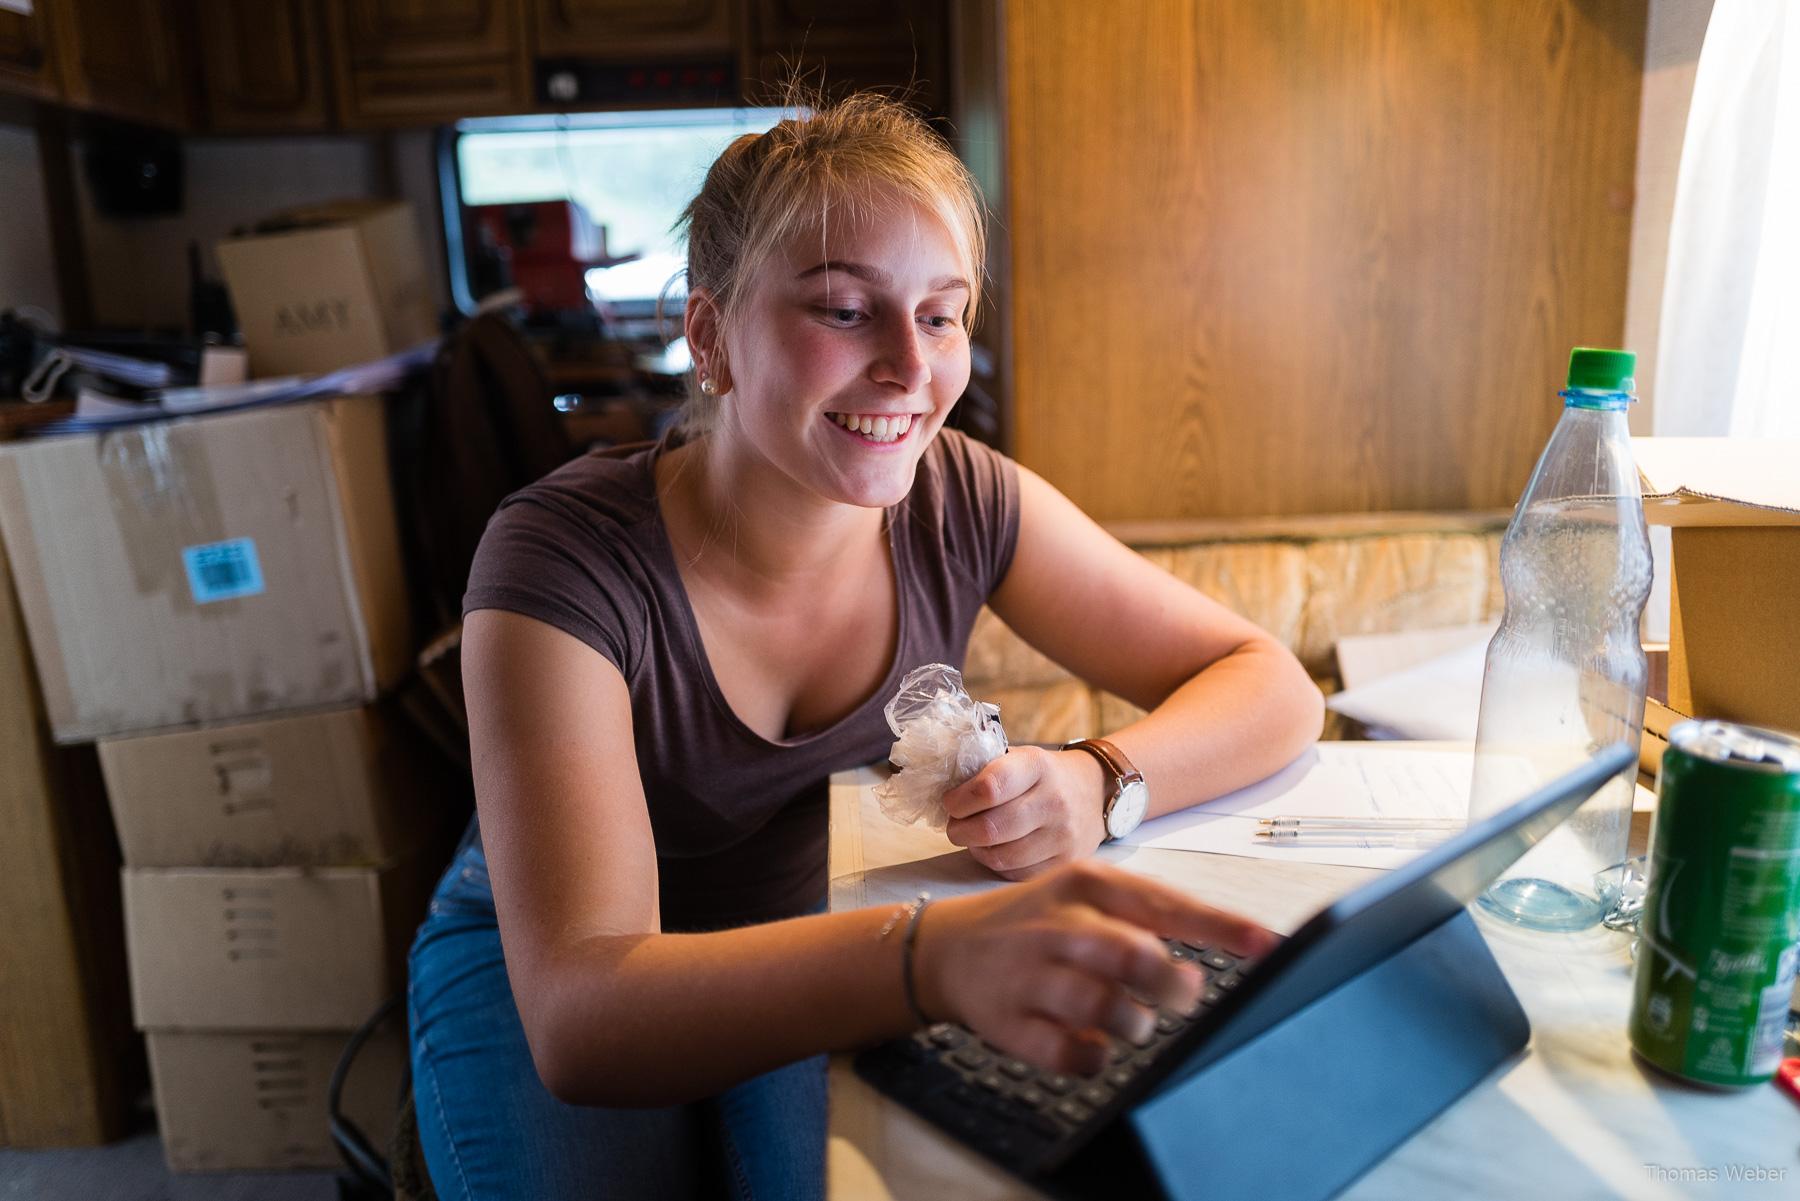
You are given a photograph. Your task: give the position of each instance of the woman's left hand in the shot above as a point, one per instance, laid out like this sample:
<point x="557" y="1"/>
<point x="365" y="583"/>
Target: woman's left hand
<point x="1029" y="811"/>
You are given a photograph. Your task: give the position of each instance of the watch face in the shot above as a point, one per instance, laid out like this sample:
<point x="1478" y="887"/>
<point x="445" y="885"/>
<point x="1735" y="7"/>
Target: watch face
<point x="1128" y="810"/>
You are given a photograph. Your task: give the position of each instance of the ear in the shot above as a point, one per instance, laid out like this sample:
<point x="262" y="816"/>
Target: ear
<point x="705" y="338"/>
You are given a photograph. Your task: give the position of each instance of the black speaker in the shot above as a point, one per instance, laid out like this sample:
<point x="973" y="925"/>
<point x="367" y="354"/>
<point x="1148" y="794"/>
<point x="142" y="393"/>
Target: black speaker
<point x="134" y="172"/>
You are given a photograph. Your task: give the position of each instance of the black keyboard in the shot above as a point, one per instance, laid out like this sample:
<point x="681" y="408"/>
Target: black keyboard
<point x="1027" y="1119"/>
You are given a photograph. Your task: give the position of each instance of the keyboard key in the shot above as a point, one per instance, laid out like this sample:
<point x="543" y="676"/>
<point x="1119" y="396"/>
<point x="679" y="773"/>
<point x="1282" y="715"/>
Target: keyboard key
<point x="1056" y="1082"/>
<point x="1071" y="1110"/>
<point x="991" y="1081"/>
<point x="946" y="1035"/>
<point x="1218" y="962"/>
<point x="1212" y="996"/>
<point x="962" y="1094"/>
<point x="1167" y="1023"/>
<point x="1119" y="1077"/>
<point x="1044" y="1126"/>
<point x="1181" y="954"/>
<point x="1229" y="982"/>
<point x="1018" y="1069"/>
<point x="973" y="1058"/>
<point x="1096" y="1095"/>
<point x="1031" y="1097"/>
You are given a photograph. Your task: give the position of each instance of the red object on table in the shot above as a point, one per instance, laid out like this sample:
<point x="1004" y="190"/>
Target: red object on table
<point x="1787" y="1077"/>
<point x="549" y="245"/>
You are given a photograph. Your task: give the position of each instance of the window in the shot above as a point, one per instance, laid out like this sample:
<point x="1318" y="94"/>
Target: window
<point x="633" y="173"/>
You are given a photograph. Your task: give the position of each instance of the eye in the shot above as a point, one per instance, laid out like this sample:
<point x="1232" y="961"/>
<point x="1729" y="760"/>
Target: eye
<point x="941" y="322"/>
<point x="842" y="315"/>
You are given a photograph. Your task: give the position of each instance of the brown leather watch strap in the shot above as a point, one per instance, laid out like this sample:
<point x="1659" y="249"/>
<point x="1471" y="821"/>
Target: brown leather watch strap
<point x="1114" y="759"/>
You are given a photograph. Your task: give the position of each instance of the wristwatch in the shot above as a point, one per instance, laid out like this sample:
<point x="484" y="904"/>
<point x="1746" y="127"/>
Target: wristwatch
<point x="1127" y="796"/>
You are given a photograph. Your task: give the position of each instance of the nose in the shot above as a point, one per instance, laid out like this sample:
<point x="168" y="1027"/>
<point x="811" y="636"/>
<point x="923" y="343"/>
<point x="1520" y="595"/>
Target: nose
<point x="900" y="358"/>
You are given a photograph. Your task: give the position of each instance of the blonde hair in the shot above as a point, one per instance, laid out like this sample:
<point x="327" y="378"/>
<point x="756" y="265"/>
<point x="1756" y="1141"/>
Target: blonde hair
<point x="839" y="160"/>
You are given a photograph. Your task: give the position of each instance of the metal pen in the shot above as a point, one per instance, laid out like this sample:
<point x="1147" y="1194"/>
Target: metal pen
<point x="1303" y="822"/>
<point x="1352" y="838"/>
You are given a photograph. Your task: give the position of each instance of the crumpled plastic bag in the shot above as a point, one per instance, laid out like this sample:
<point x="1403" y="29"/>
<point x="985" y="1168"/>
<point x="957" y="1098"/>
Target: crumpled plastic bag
<point x="943" y="736"/>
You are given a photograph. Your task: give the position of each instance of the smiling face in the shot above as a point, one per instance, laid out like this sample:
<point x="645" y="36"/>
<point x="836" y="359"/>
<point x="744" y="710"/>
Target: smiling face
<point x="848" y="352"/>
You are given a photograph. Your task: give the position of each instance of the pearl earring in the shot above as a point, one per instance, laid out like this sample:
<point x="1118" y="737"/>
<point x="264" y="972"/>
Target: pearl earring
<point x="707" y="387"/>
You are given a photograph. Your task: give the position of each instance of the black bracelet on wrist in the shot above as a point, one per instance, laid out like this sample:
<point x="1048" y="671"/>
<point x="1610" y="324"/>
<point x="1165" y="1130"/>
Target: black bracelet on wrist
<point x="916" y="910"/>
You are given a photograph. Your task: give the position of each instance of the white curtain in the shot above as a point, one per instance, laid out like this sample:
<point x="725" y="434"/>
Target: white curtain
<point x="1728" y="353"/>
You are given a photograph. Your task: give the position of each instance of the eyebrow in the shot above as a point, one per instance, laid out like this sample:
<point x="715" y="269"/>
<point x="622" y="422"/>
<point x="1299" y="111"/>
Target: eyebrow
<point x="878" y="277"/>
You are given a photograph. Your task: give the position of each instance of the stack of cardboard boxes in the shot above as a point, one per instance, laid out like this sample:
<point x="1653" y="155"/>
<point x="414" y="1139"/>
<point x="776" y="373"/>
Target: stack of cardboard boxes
<point x="1733" y="508"/>
<point x="218" y="602"/>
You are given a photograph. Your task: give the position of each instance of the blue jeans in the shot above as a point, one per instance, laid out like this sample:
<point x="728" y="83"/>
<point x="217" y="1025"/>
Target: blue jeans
<point x="490" y="1131"/>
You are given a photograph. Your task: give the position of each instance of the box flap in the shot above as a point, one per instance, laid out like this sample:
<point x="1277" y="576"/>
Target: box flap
<point x="322" y="215"/>
<point x="1718" y="481"/>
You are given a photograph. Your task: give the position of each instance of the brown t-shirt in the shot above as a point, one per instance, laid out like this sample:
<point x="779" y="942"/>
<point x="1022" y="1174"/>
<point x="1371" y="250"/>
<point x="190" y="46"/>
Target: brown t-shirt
<point x="739" y="820"/>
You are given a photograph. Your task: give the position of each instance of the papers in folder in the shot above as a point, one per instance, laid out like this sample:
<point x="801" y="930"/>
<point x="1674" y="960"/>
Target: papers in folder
<point x="1333" y="779"/>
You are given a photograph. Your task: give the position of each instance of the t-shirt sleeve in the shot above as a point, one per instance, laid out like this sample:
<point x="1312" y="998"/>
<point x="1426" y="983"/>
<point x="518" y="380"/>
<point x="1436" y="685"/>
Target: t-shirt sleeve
<point x="981" y="510"/>
<point x="539" y="561"/>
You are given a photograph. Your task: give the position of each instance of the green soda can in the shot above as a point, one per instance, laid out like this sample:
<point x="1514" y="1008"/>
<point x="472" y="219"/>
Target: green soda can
<point x="1716" y="943"/>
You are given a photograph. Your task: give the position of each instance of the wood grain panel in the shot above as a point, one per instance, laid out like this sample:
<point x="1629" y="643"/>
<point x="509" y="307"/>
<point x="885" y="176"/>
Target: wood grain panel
<point x="264" y="67"/>
<point x="69" y="1061"/>
<point x="1310" y="256"/>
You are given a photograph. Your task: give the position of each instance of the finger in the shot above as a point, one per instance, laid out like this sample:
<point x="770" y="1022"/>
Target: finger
<point x="1166" y="911"/>
<point x="1035" y="847"/>
<point x="1082" y="1000"/>
<point x="1050" y="1045"/>
<point x="1006" y="777"/>
<point x="1001" y="824"/>
<point x="1134" y="957"/>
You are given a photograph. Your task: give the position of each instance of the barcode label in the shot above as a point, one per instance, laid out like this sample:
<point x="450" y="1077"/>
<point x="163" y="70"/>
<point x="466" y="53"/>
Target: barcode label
<point x="1771" y="1017"/>
<point x="219" y="571"/>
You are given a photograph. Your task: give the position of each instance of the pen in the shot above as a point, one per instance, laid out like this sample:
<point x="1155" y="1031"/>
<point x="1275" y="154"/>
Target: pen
<point x="1362" y="823"/>
<point x="1353" y="838"/>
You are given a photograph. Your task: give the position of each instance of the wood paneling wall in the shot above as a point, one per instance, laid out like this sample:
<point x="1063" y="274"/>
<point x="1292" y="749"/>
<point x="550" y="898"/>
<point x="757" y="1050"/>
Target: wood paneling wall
<point x="1309" y="256"/>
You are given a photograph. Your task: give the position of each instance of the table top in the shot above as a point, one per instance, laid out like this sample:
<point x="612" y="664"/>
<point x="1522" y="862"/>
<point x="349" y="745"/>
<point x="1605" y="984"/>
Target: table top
<point x="1574" y="1116"/>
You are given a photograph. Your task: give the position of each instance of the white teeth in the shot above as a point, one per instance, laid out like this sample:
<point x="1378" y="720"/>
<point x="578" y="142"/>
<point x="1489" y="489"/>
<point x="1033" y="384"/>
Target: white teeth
<point x="876" y="429"/>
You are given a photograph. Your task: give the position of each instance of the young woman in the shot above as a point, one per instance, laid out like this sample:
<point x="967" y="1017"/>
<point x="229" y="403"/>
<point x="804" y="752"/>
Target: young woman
<point x="626" y="982"/>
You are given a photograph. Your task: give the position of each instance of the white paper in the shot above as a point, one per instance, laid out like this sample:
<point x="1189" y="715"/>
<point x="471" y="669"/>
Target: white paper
<point x="1333" y="779"/>
<point x="1338" y="779"/>
<point x="1439" y="699"/>
<point x="1364" y="658"/>
<point x="90" y="402"/>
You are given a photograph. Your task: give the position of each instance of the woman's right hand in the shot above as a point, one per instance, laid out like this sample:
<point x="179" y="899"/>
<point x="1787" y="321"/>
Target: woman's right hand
<point x="1045" y="970"/>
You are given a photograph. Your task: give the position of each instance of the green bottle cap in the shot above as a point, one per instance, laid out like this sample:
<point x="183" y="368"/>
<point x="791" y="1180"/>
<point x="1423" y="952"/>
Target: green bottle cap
<point x="1602" y="370"/>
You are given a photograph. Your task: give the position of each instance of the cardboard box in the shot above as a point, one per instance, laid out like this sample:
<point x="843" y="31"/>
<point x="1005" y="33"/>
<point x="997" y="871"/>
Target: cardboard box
<point x="1733" y="506"/>
<point x="341" y="284"/>
<point x="270" y="948"/>
<point x="343" y="788"/>
<point x="208" y="569"/>
<point x="231" y="1101"/>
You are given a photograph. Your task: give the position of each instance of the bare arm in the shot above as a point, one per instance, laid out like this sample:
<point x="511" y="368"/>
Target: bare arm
<point x="1228" y="704"/>
<point x="618" y="1013"/>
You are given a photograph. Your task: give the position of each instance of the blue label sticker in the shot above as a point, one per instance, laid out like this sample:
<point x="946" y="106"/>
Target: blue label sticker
<point x="219" y="571"/>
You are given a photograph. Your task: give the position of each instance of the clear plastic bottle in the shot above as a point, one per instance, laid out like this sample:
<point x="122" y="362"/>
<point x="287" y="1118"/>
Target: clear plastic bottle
<point x="1566" y="672"/>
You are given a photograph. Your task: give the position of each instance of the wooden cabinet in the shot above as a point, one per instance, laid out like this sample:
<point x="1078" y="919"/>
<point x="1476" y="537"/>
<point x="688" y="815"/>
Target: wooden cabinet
<point x="263" y="66"/>
<point x="842" y="45"/>
<point x="26" y="67"/>
<point x="625" y="29"/>
<point x="300" y="66"/>
<point x="809" y="24"/>
<point x="120" y="57"/>
<point x="416" y="61"/>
